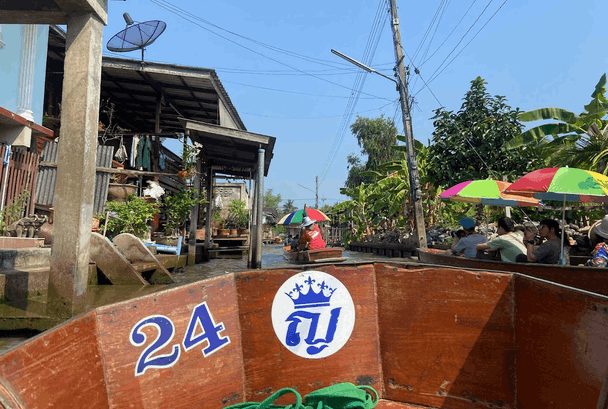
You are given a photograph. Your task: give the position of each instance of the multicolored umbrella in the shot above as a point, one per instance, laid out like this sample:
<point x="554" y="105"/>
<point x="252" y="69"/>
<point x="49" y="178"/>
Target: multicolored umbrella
<point x="488" y="192"/>
<point x="563" y="184"/>
<point x="296" y="217"/>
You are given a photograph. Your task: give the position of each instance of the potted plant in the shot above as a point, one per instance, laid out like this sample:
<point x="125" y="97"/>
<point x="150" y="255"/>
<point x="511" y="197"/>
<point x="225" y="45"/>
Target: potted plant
<point x="189" y="158"/>
<point x="177" y="208"/>
<point x="238" y="216"/>
<point x="131" y="216"/>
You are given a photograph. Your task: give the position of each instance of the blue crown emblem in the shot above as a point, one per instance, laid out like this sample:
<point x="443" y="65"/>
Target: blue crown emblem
<point x="311" y="298"/>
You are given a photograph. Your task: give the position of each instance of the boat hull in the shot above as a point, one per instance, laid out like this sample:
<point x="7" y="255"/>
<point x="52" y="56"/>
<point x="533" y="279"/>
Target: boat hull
<point x="425" y="336"/>
<point x="586" y="278"/>
<point x="325" y="255"/>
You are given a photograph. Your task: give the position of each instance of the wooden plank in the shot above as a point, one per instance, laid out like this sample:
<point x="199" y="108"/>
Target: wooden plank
<point x="213" y="381"/>
<point x="447" y="337"/>
<point x="357" y="361"/>
<point x="112" y="263"/>
<point x="562" y="351"/>
<point x="70" y="350"/>
<point x="135" y="251"/>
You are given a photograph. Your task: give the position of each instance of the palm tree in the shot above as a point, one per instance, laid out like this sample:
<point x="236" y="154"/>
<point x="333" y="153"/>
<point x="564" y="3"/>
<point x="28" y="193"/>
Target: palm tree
<point x="289" y="206"/>
<point x="578" y="140"/>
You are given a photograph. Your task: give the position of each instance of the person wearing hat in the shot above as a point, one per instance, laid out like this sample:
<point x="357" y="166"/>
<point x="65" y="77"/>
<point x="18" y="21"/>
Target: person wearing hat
<point x="467" y="245"/>
<point x="598" y="237"/>
<point x="311" y="237"/>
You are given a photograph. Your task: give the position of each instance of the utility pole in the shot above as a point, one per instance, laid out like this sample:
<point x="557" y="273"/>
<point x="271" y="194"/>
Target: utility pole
<point x="415" y="190"/>
<point x="316" y="192"/>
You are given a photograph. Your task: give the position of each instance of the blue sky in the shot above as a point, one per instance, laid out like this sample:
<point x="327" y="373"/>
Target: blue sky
<point x="535" y="53"/>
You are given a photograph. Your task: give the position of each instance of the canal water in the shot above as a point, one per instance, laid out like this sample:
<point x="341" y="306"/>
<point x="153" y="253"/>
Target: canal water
<point x="272" y="257"/>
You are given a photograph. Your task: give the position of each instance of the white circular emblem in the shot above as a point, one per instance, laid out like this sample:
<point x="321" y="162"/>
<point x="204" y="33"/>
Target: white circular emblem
<point x="313" y="314"/>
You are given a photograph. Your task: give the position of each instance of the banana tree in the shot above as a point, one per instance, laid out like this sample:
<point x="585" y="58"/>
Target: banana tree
<point x="578" y="140"/>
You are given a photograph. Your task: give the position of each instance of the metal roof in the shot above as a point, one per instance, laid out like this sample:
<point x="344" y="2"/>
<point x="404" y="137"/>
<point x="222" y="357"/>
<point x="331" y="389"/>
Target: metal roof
<point x="231" y="151"/>
<point x="187" y="92"/>
<point x="134" y="87"/>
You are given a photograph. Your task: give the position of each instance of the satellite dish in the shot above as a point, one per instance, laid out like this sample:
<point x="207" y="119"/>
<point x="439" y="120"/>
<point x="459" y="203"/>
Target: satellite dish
<point x="136" y="36"/>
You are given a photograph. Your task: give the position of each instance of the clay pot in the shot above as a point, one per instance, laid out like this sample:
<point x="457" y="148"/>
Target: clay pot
<point x="223" y="232"/>
<point x="243" y="232"/>
<point x="119" y="192"/>
<point x="200" y="234"/>
<point x="234" y="232"/>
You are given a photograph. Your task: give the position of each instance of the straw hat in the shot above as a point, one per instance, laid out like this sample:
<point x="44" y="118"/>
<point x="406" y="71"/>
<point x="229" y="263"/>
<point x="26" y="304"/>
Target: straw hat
<point x="599" y="228"/>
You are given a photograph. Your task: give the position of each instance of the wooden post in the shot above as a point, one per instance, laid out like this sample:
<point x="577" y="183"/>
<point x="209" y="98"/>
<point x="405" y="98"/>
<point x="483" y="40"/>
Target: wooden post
<point x="260" y="209"/>
<point x="208" y="229"/>
<point x="196" y="185"/>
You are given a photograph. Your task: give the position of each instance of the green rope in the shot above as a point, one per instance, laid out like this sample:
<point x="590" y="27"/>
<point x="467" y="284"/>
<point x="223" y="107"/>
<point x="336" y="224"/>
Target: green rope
<point x="339" y="396"/>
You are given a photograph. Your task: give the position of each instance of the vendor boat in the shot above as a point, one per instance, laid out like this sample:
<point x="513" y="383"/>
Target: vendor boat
<point x="586" y="278"/>
<point x="422" y="336"/>
<point x="325" y="255"/>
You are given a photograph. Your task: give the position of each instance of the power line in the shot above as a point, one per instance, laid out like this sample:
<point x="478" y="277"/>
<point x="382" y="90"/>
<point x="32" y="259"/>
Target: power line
<point x="320" y="61"/>
<point x="462" y="38"/>
<point x="296" y="92"/>
<point x="172" y="8"/>
<point x="469" y="42"/>
<point x="449" y="34"/>
<point x="368" y="55"/>
<point x="318" y="117"/>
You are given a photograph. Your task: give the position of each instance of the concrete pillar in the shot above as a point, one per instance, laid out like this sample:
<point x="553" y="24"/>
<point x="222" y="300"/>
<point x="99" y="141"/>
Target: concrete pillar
<point x="75" y="184"/>
<point x="208" y="228"/>
<point x="25" y="89"/>
<point x="253" y="227"/>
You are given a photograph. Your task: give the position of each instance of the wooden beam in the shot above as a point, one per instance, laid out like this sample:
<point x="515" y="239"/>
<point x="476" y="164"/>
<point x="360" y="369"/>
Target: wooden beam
<point x="244" y="136"/>
<point x="32" y="17"/>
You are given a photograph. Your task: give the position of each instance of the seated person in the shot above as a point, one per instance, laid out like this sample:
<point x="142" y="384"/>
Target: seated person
<point x="508" y="241"/>
<point x="294" y="242"/>
<point x="549" y="251"/>
<point x="598" y="237"/>
<point x="468" y="244"/>
<point x="311" y="237"/>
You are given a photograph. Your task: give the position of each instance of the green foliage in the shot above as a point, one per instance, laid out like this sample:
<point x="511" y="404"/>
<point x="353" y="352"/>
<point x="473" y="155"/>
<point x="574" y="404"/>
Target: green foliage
<point x="472" y="143"/>
<point x="376" y="137"/>
<point x="177" y="207"/>
<point x="289" y="206"/>
<point x="573" y="140"/>
<point x="218" y="220"/>
<point x="14" y="211"/>
<point x="130" y="216"/>
<point x="271" y="200"/>
<point x="238" y="215"/>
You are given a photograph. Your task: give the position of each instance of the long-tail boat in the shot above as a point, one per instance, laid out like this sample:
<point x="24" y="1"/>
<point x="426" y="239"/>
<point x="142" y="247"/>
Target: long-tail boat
<point x="422" y="336"/>
<point x="586" y="278"/>
<point x="325" y="255"/>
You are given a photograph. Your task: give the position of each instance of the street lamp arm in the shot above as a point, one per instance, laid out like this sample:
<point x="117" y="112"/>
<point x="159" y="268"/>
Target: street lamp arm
<point x="362" y="66"/>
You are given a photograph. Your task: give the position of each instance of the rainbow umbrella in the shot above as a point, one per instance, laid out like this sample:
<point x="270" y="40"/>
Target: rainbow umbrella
<point x="296" y="217"/>
<point x="563" y="184"/>
<point x="488" y="192"/>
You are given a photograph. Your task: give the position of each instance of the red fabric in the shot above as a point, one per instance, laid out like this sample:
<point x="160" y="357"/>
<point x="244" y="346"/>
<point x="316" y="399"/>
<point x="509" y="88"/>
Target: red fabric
<point x="536" y="181"/>
<point x="314" y="238"/>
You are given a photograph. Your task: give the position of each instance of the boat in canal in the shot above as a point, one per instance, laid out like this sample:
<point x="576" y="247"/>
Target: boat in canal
<point x="586" y="278"/>
<point x="424" y="336"/>
<point x="325" y="255"/>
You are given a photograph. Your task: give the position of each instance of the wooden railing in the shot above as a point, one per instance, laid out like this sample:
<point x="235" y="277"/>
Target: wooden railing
<point x="21" y="176"/>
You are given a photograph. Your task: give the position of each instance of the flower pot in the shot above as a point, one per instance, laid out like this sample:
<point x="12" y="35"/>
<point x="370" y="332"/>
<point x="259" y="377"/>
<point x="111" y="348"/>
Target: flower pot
<point x="95" y="224"/>
<point x="223" y="232"/>
<point x="234" y="232"/>
<point x="243" y="232"/>
<point x="119" y="192"/>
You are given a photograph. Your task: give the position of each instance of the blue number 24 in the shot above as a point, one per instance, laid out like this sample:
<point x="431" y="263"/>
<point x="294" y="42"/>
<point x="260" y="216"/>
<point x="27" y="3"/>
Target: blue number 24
<point x="200" y="328"/>
<point x="148" y="359"/>
<point x="201" y="317"/>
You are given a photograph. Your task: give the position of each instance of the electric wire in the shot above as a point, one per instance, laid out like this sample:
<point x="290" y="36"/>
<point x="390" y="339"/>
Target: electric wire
<point x="185" y="17"/>
<point x="461" y="39"/>
<point x="329" y="63"/>
<point x="368" y="55"/>
<point x="380" y="108"/>
<point x="449" y="34"/>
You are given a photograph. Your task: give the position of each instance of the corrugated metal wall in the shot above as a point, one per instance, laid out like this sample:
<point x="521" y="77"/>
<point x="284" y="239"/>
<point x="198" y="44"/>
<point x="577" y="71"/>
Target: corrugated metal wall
<point x="21" y="176"/>
<point x="47" y="174"/>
